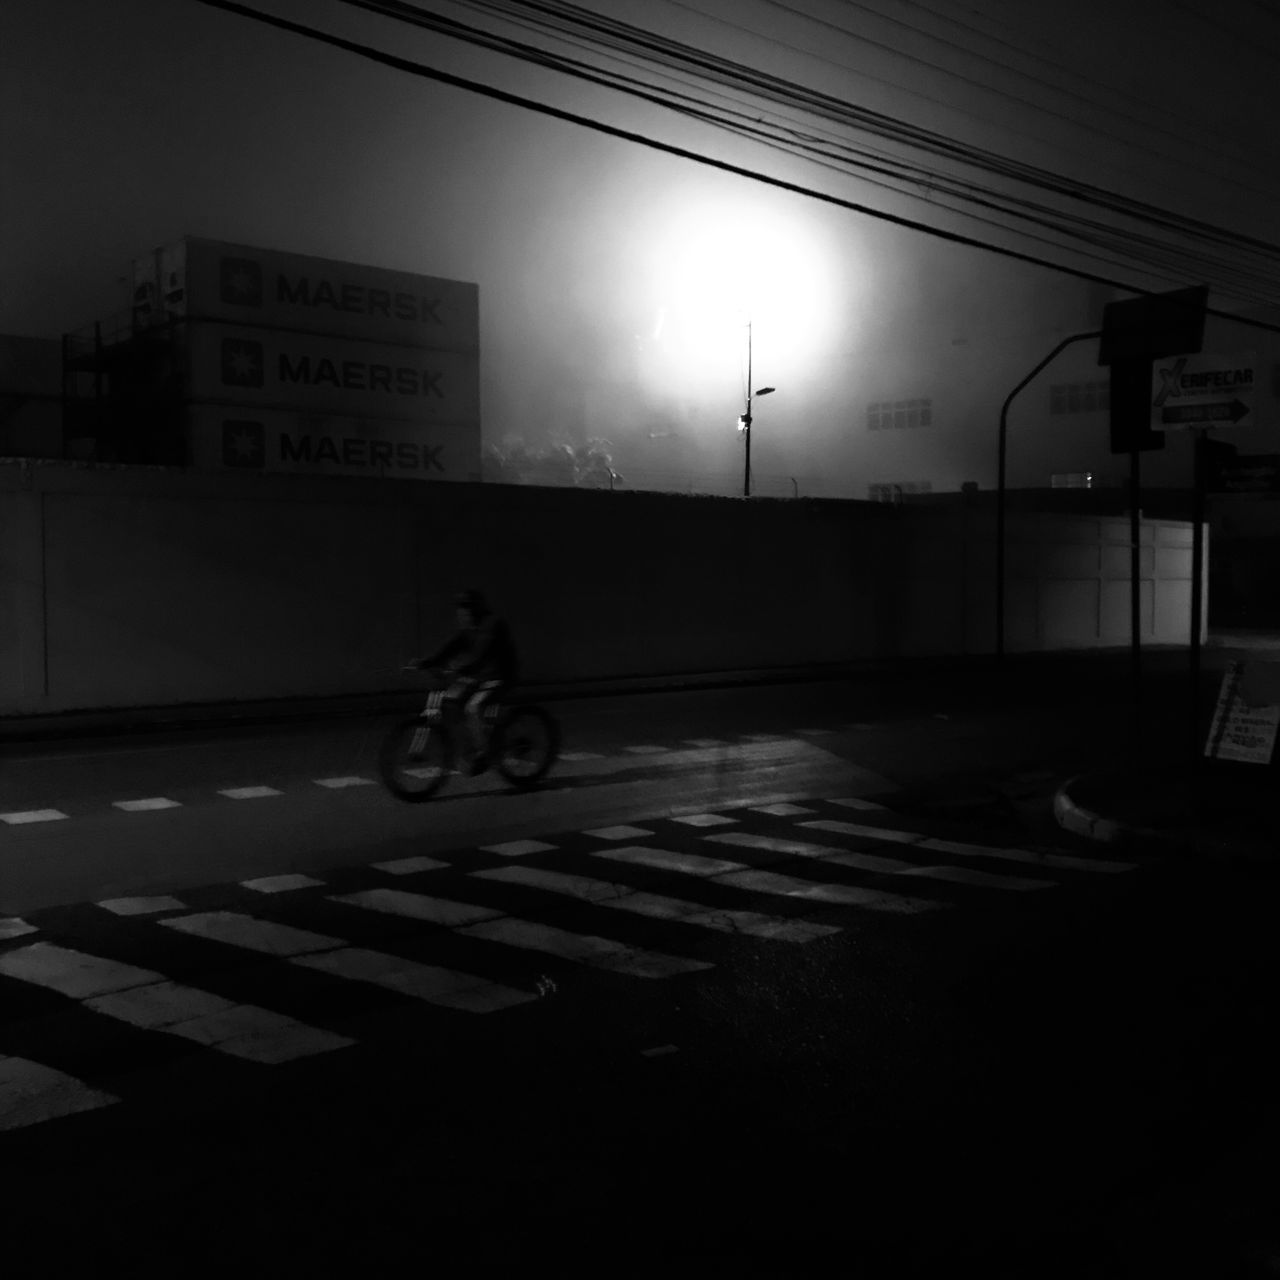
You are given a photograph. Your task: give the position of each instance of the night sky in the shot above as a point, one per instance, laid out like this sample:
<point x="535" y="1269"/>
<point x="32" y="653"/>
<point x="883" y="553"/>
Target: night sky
<point x="615" y="279"/>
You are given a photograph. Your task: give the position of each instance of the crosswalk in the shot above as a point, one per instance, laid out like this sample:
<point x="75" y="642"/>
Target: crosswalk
<point x="89" y="994"/>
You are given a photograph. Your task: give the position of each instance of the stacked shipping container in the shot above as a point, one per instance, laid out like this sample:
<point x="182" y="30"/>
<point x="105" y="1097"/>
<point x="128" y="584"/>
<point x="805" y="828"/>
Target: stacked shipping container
<point x="304" y="364"/>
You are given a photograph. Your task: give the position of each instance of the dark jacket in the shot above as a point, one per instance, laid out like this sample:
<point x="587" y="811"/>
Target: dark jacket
<point x="484" y="652"/>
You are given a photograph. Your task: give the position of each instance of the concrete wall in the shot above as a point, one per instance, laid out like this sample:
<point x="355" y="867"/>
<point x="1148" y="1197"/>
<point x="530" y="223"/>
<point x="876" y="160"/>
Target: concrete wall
<point x="141" y="587"/>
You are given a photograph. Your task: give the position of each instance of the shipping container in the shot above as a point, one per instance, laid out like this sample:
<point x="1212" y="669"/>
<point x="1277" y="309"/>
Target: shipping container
<point x="242" y="439"/>
<point x="197" y="279"/>
<point x="276" y="368"/>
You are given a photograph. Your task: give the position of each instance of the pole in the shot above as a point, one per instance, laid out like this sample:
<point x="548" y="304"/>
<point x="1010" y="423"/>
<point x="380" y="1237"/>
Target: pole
<point x="1135" y="587"/>
<point x="1197" y="581"/>
<point x="746" y="419"/>
<point x="1000" y="485"/>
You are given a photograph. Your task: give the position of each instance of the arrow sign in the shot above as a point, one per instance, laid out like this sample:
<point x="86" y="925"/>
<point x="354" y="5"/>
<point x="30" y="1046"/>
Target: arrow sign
<point x="1185" y="414"/>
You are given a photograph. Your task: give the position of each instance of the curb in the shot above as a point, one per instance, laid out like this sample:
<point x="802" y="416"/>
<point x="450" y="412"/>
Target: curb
<point x="1134" y="838"/>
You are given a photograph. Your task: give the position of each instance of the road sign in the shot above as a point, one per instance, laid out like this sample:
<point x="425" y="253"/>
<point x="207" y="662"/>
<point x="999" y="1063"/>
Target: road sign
<point x="1247" y="715"/>
<point x="1202" y="391"/>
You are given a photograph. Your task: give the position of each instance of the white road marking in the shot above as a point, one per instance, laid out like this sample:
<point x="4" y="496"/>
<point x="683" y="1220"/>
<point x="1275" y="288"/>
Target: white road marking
<point x="581" y="755"/>
<point x="706" y="742"/>
<point x="143" y="806"/>
<point x="13" y="927"/>
<point x="420" y="981"/>
<point x="599" y="953"/>
<point x="1057" y="861"/>
<point x="408" y="866"/>
<point x="417" y="906"/>
<point x="280" y="884"/>
<point x="860" y="860"/>
<point x="31" y="1093"/>
<point x="856" y="802"/>
<point x="646" y="749"/>
<point x="702" y="819"/>
<point x="32" y="815"/>
<point x="252" y="934"/>
<point x="606" y="893"/>
<point x="140" y="906"/>
<point x="838" y="894"/>
<point x="335" y="784"/>
<point x="517" y="848"/>
<point x="72" y="973"/>
<point x="693" y="864"/>
<point x="764" y="737"/>
<point x="249" y="793"/>
<point x="782" y="810"/>
<point x="859" y="829"/>
<point x="241" y="1030"/>
<point x="623" y="832"/>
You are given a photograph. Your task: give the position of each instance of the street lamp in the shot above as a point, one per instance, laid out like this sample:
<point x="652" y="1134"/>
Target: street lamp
<point x="744" y="422"/>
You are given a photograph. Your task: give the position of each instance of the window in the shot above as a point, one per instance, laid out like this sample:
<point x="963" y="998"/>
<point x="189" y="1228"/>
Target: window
<point x="896" y="492"/>
<point x="1079" y="397"/>
<point x="885" y="415"/>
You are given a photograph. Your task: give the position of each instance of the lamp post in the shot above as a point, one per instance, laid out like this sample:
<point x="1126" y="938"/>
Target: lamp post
<point x="744" y="422"/>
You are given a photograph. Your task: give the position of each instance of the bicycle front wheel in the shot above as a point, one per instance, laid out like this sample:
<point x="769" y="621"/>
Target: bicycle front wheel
<point x="528" y="743"/>
<point x="415" y="759"/>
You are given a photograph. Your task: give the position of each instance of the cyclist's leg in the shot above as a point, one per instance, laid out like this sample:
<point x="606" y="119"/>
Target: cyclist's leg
<point x="482" y="707"/>
<point x="457" y="695"/>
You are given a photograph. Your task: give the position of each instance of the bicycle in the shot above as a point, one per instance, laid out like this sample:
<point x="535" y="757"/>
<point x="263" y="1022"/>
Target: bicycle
<point x="418" y="753"/>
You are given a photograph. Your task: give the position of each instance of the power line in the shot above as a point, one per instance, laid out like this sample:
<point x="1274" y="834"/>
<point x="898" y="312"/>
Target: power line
<point x="421" y="70"/>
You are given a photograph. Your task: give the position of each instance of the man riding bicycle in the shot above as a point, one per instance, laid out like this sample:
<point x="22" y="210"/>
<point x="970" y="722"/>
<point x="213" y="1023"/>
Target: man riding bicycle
<point x="481" y="659"/>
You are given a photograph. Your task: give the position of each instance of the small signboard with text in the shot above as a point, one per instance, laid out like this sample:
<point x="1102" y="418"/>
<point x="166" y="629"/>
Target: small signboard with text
<point x="1247" y="715"/>
<point x="1202" y="391"/>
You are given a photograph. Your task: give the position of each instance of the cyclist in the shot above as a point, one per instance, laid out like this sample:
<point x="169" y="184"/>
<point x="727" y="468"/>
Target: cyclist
<point x="481" y="658"/>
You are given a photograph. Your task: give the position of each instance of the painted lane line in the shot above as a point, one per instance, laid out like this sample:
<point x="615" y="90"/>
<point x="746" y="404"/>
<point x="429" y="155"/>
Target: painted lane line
<point x="240" y="1030"/>
<point x="24" y="816"/>
<point x="856" y="802"/>
<point x="147" y="999"/>
<point x="598" y="953"/>
<point x="763" y="737"/>
<point x="31" y="1093"/>
<point x="280" y="884"/>
<point x="702" y="819"/>
<point x="859" y="829"/>
<point x="13" y="927"/>
<point x="146" y="805"/>
<point x="417" y="906"/>
<point x="409" y="866"/>
<point x="351" y="780"/>
<point x="251" y="934"/>
<point x="1056" y="861"/>
<point x="141" y="906"/>
<point x="835" y="894"/>
<point x="581" y="755"/>
<point x="72" y="973"/>
<point x="878" y="864"/>
<point x="517" y="848"/>
<point x="622" y="832"/>
<point x="782" y="810"/>
<point x="249" y="793"/>
<point x="646" y="749"/>
<point x="693" y="864"/>
<point x="605" y="893"/>
<point x="706" y="742"/>
<point x="426" y="982"/>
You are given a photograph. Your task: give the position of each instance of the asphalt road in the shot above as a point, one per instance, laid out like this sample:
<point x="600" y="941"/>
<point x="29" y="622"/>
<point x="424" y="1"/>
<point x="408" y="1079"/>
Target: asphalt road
<point x="762" y="1032"/>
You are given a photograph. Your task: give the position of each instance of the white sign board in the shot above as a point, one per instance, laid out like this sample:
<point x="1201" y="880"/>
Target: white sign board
<point x="1247" y="715"/>
<point x="1202" y="391"/>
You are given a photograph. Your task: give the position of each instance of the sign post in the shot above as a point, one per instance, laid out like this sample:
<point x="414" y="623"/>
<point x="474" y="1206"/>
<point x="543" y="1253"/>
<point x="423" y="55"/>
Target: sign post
<point x="1197" y="392"/>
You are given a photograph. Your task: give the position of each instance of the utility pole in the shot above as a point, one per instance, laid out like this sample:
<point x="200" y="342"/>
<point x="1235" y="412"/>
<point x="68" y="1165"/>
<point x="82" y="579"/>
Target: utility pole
<point x="744" y="422"/>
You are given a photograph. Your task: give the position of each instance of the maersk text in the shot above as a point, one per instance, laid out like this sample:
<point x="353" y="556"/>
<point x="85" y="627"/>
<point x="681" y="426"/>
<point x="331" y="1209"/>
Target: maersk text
<point x="357" y="298"/>
<point x="357" y="375"/>
<point x="355" y="451"/>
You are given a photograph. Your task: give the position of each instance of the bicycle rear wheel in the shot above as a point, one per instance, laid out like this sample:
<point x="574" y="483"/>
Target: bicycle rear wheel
<point x="415" y="759"/>
<point x="528" y="742"/>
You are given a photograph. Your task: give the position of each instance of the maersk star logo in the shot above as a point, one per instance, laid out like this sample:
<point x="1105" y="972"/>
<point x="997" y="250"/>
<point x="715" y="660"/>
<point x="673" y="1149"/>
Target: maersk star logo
<point x="243" y="444"/>
<point x="242" y="362"/>
<point x="241" y="280"/>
